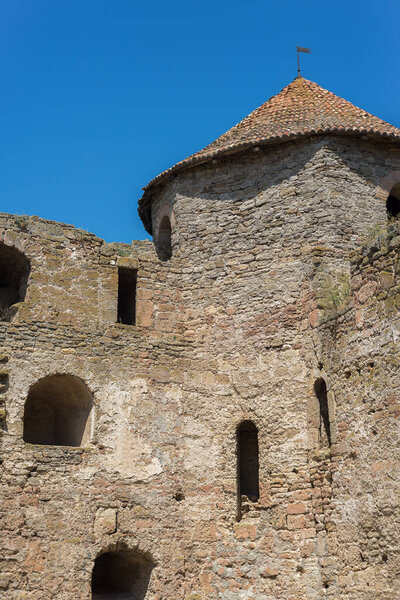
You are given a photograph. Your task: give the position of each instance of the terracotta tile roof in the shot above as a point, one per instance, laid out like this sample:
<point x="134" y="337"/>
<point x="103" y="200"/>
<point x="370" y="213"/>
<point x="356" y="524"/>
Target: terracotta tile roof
<point x="302" y="108"/>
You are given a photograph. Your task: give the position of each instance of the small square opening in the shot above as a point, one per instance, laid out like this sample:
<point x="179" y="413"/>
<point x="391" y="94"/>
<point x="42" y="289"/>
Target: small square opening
<point x="127" y="279"/>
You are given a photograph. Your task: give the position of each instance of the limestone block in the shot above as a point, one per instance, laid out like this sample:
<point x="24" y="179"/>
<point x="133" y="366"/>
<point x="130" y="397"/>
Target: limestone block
<point x="269" y="572"/>
<point x="127" y="262"/>
<point x="144" y="313"/>
<point x="105" y="522"/>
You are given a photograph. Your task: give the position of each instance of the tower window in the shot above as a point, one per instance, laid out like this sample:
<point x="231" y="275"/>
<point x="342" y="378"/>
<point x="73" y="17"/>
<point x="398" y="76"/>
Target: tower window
<point x="248" y="465"/>
<point x="393" y="202"/>
<point x="120" y="574"/>
<point x="127" y="279"/>
<point x="56" y="412"/>
<point x="324" y="423"/>
<point x="163" y="242"/>
<point x="14" y="272"/>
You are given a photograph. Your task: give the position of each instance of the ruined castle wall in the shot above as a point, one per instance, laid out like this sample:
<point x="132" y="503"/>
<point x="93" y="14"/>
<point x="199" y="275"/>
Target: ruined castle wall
<point x="61" y="506"/>
<point x="259" y="299"/>
<point x="267" y="241"/>
<point x="361" y="346"/>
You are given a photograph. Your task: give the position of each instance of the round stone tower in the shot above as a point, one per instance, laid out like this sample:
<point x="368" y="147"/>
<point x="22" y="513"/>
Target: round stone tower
<point x="282" y="237"/>
<point x="215" y="416"/>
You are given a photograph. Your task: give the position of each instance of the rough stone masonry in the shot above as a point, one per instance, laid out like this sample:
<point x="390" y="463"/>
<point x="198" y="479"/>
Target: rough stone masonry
<point x="215" y="415"/>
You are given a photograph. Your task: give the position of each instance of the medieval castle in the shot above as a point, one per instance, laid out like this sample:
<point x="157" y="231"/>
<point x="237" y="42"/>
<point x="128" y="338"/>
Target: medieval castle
<point x="215" y="415"/>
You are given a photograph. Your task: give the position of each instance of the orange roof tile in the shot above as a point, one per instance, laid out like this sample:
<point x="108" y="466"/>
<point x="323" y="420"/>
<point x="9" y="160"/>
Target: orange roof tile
<point x="302" y="108"/>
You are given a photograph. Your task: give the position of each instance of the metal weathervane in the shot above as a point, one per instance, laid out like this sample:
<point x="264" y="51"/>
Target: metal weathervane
<point x="305" y="51"/>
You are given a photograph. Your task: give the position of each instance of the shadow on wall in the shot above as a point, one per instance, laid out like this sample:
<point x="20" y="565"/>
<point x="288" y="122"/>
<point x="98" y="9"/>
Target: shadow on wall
<point x="14" y="273"/>
<point x="121" y="574"/>
<point x="57" y="412"/>
<point x="217" y="179"/>
<point x="207" y="184"/>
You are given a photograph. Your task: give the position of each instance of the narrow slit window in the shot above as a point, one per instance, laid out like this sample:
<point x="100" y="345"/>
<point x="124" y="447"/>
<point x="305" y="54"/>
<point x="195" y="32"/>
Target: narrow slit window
<point x="248" y="466"/>
<point x="127" y="279"/>
<point x="324" y="422"/>
<point x="164" y="241"/>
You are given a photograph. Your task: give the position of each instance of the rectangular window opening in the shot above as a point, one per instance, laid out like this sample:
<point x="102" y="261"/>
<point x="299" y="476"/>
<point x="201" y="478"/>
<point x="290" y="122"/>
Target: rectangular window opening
<point x="127" y="279"/>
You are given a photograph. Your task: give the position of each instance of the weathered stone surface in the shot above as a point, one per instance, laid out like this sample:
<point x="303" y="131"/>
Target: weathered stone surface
<point x="279" y="276"/>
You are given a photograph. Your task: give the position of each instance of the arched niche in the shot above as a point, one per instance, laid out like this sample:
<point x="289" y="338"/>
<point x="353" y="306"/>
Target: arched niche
<point x="14" y="273"/>
<point x="121" y="574"/>
<point x="248" y="486"/>
<point x="393" y="202"/>
<point x="164" y="239"/>
<point x="57" y="412"/>
<point x="388" y="191"/>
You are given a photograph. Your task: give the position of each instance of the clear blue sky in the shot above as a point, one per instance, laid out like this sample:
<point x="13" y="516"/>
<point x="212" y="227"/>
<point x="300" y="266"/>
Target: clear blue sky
<point x="99" y="96"/>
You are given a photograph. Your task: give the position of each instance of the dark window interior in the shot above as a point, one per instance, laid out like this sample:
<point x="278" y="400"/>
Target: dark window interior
<point x="120" y="575"/>
<point x="324" y="424"/>
<point x="393" y="202"/>
<point x="247" y="441"/>
<point x="14" y="272"/>
<point x="127" y="279"/>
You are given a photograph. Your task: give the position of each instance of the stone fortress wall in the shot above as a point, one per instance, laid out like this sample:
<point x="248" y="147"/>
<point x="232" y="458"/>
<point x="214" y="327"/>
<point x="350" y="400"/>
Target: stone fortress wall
<point x="278" y="308"/>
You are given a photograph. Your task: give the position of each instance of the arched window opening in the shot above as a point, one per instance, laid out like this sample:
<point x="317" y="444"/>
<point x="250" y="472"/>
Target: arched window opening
<point x="324" y="423"/>
<point x="164" y="244"/>
<point x="14" y="273"/>
<point x="248" y="466"/>
<point x="121" y="574"/>
<point x="393" y="203"/>
<point x="57" y="412"/>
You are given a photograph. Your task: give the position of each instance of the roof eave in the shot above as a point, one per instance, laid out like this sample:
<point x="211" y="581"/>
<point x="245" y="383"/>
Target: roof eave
<point x="144" y="205"/>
